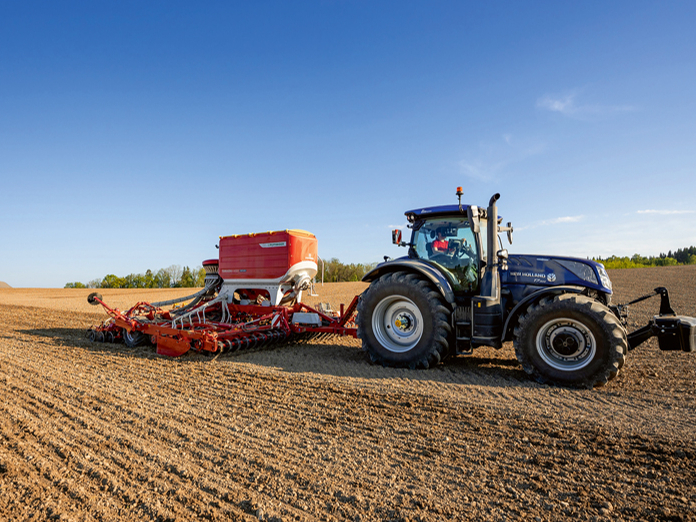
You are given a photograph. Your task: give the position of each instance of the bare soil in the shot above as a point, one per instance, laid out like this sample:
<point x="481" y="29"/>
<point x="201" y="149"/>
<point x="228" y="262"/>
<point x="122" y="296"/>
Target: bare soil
<point x="94" y="431"/>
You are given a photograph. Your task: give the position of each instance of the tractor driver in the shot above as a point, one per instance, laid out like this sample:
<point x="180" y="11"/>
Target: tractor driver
<point x="441" y="244"/>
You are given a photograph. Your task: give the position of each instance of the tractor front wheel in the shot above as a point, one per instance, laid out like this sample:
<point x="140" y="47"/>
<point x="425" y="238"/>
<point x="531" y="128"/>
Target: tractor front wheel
<point x="570" y="340"/>
<point x="403" y="321"/>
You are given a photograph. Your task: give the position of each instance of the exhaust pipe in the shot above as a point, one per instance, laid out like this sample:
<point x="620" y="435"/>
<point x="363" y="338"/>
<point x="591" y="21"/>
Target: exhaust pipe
<point x="489" y="284"/>
<point x="486" y="312"/>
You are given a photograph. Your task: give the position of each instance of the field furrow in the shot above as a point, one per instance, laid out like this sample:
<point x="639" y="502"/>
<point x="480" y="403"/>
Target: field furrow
<point x="311" y="431"/>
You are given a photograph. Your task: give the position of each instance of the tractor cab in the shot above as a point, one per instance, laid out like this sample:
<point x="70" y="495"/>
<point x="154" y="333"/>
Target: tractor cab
<point x="448" y="243"/>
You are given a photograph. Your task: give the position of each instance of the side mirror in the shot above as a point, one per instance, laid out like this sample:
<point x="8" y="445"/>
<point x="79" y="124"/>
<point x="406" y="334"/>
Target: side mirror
<point x="396" y="238"/>
<point x="507" y="229"/>
<point x="473" y="214"/>
<point x="503" y="258"/>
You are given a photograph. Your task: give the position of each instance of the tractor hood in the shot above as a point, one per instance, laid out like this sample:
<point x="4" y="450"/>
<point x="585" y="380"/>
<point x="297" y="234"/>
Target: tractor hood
<point x="555" y="271"/>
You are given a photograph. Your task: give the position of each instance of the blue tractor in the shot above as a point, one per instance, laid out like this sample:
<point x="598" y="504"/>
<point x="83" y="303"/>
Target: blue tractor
<point x="458" y="289"/>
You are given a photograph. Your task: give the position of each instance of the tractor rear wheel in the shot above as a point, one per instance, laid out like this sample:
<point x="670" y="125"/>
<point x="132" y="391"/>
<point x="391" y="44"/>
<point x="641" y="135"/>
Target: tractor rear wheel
<point x="403" y="321"/>
<point x="570" y="340"/>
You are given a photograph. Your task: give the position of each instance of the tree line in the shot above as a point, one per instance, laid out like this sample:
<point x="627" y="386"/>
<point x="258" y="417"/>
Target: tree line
<point x="335" y="271"/>
<point x="177" y="277"/>
<point x="171" y="277"/>
<point x="682" y="256"/>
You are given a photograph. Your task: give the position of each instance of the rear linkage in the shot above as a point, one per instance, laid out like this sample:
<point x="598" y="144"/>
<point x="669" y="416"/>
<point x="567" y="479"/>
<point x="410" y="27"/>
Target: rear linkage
<point x="212" y="325"/>
<point x="674" y="332"/>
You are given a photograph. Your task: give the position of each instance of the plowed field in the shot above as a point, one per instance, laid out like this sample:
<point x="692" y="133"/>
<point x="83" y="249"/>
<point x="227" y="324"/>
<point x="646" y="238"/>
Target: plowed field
<point x="93" y="431"/>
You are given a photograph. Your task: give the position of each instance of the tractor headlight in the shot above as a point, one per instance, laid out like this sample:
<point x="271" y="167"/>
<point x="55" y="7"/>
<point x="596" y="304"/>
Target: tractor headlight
<point x="604" y="277"/>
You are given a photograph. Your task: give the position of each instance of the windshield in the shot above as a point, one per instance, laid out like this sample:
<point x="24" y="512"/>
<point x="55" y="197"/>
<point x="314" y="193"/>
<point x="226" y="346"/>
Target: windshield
<point x="451" y="245"/>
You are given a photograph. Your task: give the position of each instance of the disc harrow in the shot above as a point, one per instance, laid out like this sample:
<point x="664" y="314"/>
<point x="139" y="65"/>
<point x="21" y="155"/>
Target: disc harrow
<point x="215" y="326"/>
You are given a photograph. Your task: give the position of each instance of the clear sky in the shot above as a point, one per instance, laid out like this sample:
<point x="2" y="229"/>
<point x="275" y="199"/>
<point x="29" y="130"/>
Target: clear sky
<point x="133" y="134"/>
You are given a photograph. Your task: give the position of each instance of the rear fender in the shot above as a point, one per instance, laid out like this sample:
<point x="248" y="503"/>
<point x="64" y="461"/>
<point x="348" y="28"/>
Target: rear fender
<point x="415" y="266"/>
<point x="520" y="307"/>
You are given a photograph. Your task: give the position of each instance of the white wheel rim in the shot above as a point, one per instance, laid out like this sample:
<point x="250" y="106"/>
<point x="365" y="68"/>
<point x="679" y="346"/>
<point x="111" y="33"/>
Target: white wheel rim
<point x="397" y="323"/>
<point x="566" y="345"/>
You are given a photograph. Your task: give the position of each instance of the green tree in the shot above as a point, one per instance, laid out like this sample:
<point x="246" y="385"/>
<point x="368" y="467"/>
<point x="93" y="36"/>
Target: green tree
<point x="134" y="281"/>
<point x="667" y="261"/>
<point x="112" y="281"/>
<point x="684" y="254"/>
<point x="76" y="284"/>
<point x="200" y="277"/>
<point x="335" y="271"/>
<point x="187" y="279"/>
<point x="162" y="279"/>
<point x="149" y="279"/>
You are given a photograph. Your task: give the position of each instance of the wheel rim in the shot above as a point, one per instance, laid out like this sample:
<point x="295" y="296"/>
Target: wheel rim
<point x="565" y="344"/>
<point x="397" y="323"/>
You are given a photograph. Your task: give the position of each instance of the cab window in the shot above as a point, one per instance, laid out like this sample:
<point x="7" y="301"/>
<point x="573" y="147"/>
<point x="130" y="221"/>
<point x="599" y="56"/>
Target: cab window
<point x="451" y="246"/>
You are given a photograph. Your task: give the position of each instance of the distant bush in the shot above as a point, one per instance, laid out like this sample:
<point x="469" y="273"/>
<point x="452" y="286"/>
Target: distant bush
<point x="686" y="256"/>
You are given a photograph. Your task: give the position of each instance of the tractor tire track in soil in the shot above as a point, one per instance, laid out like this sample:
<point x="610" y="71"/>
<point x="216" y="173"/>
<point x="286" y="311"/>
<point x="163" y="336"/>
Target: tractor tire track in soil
<point x="94" y="431"/>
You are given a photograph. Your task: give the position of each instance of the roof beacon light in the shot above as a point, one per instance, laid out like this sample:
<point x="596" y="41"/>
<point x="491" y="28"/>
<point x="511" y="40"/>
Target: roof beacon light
<point x="459" y="195"/>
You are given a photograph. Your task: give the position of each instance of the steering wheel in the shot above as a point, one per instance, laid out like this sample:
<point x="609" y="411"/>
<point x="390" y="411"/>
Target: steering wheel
<point x="464" y="249"/>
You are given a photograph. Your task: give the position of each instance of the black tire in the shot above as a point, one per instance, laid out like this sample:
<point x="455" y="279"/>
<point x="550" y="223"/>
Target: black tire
<point x="91" y="298"/>
<point x="134" y="338"/>
<point x="570" y="340"/>
<point x="403" y="321"/>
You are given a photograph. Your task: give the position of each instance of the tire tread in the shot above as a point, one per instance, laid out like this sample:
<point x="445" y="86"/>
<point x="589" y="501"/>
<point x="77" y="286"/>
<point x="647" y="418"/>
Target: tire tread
<point x="438" y="348"/>
<point x="614" y="335"/>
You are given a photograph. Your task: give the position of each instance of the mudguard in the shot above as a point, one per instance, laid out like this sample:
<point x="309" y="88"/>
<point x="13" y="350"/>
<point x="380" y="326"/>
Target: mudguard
<point x="522" y="305"/>
<point x="413" y="265"/>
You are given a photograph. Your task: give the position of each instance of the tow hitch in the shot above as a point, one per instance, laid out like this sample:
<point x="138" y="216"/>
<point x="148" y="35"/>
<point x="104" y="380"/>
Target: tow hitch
<point x="674" y="332"/>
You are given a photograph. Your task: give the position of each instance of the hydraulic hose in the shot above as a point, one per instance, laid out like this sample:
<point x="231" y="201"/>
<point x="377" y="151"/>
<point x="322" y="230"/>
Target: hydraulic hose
<point x="198" y="294"/>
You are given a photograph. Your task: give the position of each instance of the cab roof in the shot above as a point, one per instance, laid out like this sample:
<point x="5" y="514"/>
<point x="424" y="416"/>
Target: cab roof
<point x="420" y="213"/>
<point x="442" y="210"/>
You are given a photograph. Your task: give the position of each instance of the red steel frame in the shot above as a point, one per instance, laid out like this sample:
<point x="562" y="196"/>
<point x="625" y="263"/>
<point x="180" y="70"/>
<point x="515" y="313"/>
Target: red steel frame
<point x="255" y="324"/>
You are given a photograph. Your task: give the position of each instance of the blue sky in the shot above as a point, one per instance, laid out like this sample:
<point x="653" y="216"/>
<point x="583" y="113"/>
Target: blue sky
<point x="133" y="134"/>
